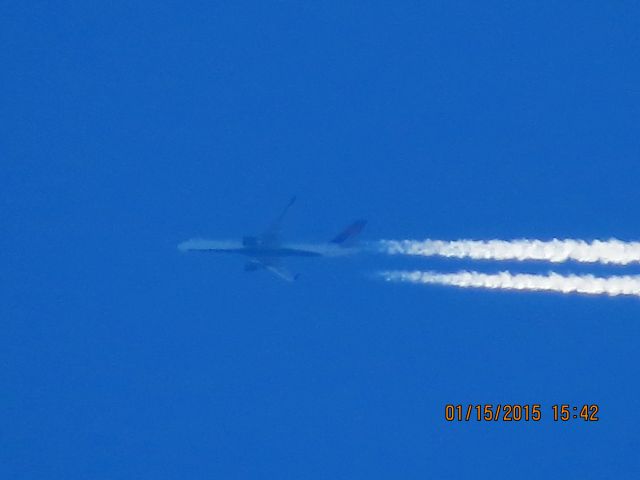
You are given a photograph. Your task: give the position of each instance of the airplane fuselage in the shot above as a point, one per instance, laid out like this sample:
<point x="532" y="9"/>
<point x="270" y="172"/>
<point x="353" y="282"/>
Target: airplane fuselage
<point x="266" y="250"/>
<point x="257" y="251"/>
<point x="271" y="252"/>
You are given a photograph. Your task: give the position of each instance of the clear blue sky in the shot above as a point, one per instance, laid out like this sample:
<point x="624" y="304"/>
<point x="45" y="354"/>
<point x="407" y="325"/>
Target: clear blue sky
<point x="128" y="127"/>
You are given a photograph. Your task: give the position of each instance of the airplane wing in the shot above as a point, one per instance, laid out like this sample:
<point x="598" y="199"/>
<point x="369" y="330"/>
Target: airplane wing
<point x="272" y="235"/>
<point x="282" y="273"/>
<point x="273" y="266"/>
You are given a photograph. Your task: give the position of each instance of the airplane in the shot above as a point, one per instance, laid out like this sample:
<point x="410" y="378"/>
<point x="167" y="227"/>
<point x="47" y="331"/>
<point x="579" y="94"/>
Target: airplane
<point x="266" y="251"/>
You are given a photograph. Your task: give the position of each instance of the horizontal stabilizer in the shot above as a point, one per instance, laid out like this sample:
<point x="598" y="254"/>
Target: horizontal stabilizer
<point x="351" y="231"/>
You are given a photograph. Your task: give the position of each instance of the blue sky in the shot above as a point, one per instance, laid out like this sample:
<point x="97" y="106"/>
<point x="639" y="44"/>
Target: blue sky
<point x="129" y="127"/>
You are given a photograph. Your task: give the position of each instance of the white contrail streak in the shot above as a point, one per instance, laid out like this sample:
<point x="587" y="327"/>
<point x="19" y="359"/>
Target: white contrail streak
<point x="603" y="251"/>
<point x="617" y="285"/>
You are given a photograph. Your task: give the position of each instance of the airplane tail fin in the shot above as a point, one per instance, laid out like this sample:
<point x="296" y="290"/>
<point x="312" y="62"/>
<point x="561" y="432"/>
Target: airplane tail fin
<point x="348" y="233"/>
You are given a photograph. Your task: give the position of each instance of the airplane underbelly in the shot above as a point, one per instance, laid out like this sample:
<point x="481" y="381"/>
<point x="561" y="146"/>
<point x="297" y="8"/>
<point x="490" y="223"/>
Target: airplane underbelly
<point x="279" y="252"/>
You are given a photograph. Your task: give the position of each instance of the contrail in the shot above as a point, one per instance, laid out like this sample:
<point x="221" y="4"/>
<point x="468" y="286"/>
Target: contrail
<point x="602" y="251"/>
<point x="617" y="285"/>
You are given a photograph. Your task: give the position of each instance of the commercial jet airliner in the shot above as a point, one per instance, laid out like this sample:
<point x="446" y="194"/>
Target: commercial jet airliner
<point x="267" y="250"/>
